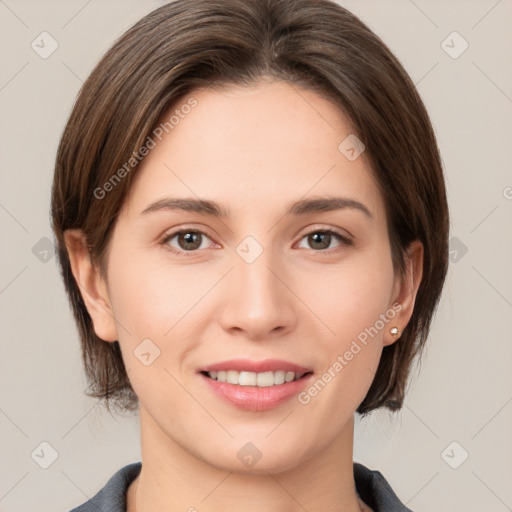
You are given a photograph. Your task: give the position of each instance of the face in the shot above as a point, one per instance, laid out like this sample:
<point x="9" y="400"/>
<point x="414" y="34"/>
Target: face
<point x="284" y="270"/>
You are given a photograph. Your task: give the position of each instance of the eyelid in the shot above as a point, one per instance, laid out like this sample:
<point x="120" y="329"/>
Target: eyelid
<point x="346" y="239"/>
<point x="343" y="233"/>
<point x="168" y="235"/>
<point x="343" y="238"/>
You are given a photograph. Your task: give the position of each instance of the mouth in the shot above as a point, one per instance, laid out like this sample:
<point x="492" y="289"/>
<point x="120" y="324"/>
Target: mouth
<point x="260" y="380"/>
<point x="255" y="385"/>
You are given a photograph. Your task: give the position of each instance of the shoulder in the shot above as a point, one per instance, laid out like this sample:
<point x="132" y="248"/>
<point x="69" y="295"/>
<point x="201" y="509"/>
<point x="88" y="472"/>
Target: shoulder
<point x="375" y="490"/>
<point x="371" y="485"/>
<point x="112" y="496"/>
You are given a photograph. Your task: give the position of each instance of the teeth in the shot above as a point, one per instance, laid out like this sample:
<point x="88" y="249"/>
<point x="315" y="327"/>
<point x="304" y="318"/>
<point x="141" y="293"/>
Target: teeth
<point x="246" y="379"/>
<point x="262" y="380"/>
<point x="232" y="377"/>
<point x="279" y="377"/>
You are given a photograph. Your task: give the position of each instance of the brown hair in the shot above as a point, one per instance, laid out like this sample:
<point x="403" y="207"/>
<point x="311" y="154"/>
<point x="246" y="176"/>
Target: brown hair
<point x="188" y="44"/>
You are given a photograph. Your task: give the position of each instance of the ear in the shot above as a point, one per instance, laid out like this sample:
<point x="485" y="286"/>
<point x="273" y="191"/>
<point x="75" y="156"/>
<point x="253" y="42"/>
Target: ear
<point x="405" y="290"/>
<point x="92" y="286"/>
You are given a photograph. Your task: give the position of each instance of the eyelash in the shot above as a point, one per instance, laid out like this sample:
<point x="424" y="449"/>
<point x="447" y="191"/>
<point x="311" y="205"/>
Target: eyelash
<point x="342" y="239"/>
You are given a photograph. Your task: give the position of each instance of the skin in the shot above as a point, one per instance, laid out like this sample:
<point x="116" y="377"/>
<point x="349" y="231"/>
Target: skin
<point x="254" y="150"/>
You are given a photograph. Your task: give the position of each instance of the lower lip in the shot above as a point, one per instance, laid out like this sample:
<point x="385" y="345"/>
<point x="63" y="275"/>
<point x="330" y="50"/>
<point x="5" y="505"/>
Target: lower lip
<point x="254" y="398"/>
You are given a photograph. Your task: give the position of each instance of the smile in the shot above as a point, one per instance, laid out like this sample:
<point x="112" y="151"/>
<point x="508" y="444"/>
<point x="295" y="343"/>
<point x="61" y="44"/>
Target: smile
<point x="255" y="385"/>
<point x="261" y="380"/>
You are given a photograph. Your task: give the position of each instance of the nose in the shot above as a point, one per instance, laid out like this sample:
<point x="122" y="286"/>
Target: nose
<point x="259" y="302"/>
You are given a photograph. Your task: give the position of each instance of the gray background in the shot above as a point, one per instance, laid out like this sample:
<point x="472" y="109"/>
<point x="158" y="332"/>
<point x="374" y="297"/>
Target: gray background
<point x="462" y="394"/>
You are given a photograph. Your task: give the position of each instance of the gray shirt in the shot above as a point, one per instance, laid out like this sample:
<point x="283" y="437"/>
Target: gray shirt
<point x="371" y="486"/>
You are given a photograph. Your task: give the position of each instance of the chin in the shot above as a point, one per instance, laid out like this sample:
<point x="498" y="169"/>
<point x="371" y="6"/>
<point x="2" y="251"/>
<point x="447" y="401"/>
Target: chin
<point x="258" y="458"/>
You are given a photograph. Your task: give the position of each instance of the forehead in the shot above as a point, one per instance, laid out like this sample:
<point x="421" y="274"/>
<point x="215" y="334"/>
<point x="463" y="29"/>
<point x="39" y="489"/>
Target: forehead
<point x="268" y="143"/>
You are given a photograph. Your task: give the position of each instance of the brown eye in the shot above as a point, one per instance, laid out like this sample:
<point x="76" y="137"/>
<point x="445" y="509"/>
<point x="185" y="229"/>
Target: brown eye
<point x="322" y="240"/>
<point x="186" y="241"/>
<point x="319" y="240"/>
<point x="189" y="241"/>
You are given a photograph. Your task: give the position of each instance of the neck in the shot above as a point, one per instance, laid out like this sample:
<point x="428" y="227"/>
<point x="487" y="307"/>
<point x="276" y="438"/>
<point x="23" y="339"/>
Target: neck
<point x="171" y="478"/>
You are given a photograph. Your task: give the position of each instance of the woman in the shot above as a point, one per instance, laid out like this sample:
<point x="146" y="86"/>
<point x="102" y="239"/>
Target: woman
<point x="252" y="225"/>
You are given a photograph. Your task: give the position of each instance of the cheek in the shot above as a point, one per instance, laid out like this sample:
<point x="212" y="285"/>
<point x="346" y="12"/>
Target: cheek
<point x="353" y="302"/>
<point x="351" y="297"/>
<point x="151" y="297"/>
<point x="157" y="305"/>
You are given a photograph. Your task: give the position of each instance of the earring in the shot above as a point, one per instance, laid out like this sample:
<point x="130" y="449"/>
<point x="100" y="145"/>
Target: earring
<point x="394" y="331"/>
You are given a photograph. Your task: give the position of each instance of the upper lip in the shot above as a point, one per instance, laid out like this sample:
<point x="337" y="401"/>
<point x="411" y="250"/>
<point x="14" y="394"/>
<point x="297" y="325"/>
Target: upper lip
<point x="247" y="365"/>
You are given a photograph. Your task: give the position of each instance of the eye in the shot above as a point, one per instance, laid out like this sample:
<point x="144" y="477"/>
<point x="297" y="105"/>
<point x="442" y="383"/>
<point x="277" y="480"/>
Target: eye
<point x="189" y="240"/>
<point x="186" y="240"/>
<point x="321" y="240"/>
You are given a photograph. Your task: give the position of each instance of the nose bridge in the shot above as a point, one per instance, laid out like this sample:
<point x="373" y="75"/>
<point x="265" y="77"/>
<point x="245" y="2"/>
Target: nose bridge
<point x="259" y="302"/>
<point x="256" y="283"/>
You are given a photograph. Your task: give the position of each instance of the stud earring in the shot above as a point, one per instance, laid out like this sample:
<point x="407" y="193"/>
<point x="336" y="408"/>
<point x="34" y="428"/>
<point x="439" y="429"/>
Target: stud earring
<point x="394" y="331"/>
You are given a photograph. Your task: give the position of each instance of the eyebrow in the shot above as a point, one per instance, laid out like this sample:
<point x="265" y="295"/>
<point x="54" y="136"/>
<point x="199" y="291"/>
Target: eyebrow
<point x="302" y="207"/>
